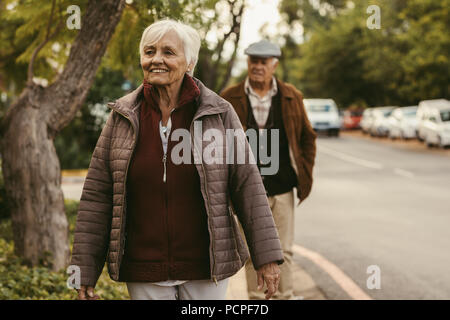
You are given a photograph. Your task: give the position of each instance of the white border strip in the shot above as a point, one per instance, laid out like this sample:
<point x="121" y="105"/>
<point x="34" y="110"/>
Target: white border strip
<point x="404" y="173"/>
<point x="351" y="159"/>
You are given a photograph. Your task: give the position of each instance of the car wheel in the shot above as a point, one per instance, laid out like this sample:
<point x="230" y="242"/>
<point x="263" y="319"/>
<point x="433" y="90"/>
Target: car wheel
<point x="403" y="136"/>
<point x="428" y="143"/>
<point x="440" y="143"/>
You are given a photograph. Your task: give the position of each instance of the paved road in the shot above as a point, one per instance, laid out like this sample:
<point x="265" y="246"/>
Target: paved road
<point x="376" y="204"/>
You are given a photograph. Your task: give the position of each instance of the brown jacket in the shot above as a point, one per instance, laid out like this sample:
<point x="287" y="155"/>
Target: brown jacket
<point x="99" y="232"/>
<point x="301" y="136"/>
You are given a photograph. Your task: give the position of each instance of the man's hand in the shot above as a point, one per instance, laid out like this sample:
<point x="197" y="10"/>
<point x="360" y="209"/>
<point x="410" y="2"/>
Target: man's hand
<point x="87" y="293"/>
<point x="270" y="273"/>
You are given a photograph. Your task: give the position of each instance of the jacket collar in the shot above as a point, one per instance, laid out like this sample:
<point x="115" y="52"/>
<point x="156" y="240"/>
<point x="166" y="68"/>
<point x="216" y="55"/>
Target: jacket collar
<point x="285" y="91"/>
<point x="129" y="103"/>
<point x="189" y="91"/>
<point x="208" y="103"/>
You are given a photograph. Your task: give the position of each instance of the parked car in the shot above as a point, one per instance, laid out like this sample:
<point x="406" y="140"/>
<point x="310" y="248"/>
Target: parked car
<point x="352" y="119"/>
<point x="323" y="115"/>
<point x="366" y="120"/>
<point x="380" y="124"/>
<point x="422" y="114"/>
<point x="436" y="126"/>
<point x="403" y="123"/>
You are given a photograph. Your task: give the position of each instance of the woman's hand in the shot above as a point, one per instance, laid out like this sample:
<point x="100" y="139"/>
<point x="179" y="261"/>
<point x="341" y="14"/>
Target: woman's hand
<point x="87" y="293"/>
<point x="270" y="273"/>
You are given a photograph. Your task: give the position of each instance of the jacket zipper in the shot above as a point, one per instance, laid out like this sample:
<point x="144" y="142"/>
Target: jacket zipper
<point x="211" y="242"/>
<point x="165" y="166"/>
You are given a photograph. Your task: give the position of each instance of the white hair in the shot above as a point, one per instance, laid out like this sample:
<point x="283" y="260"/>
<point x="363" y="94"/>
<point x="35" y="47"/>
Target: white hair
<point x="188" y="35"/>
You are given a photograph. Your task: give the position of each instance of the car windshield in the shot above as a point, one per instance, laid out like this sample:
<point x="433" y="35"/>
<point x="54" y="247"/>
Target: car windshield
<point x="319" y="108"/>
<point x="410" y="113"/>
<point x="387" y="113"/>
<point x="445" y="115"/>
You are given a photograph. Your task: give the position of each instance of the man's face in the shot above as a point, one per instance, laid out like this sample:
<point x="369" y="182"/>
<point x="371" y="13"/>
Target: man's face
<point x="261" y="69"/>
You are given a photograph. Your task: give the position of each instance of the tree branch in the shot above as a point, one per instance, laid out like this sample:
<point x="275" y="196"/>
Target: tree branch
<point x="64" y="97"/>
<point x="132" y="6"/>
<point x="48" y="37"/>
<point x="235" y="28"/>
<point x="230" y="65"/>
<point x="235" y="23"/>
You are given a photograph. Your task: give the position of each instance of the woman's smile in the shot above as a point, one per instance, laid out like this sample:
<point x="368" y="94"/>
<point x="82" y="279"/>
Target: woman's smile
<point x="159" y="70"/>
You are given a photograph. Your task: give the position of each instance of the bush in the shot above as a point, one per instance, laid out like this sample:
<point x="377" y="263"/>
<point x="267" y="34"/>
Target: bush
<point x="19" y="281"/>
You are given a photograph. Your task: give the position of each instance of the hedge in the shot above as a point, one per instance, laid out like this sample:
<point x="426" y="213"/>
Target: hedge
<point x="19" y="281"/>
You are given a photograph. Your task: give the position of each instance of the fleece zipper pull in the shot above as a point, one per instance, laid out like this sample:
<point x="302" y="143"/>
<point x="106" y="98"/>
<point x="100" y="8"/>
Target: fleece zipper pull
<point x="164" y="132"/>
<point x="165" y="166"/>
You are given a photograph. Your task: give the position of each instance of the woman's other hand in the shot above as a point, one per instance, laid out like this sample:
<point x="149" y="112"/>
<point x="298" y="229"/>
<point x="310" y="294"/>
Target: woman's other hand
<point x="87" y="293"/>
<point x="270" y="273"/>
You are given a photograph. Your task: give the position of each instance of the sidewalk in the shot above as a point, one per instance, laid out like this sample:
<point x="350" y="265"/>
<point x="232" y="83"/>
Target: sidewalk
<point x="304" y="286"/>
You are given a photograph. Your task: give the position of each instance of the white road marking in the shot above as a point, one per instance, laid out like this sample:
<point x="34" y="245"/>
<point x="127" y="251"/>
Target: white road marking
<point x="404" y="173"/>
<point x="344" y="281"/>
<point x="351" y="159"/>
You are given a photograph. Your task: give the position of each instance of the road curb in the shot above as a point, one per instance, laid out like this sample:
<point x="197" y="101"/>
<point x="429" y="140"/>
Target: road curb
<point x="304" y="286"/>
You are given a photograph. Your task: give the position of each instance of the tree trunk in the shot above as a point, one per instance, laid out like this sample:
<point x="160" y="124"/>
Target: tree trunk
<point x="30" y="164"/>
<point x="32" y="177"/>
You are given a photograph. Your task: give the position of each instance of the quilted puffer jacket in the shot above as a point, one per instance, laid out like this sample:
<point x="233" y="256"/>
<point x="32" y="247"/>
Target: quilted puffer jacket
<point x="231" y="192"/>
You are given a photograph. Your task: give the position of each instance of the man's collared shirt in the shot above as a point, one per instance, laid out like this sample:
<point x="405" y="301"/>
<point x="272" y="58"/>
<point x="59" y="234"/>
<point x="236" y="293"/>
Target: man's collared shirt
<point x="260" y="106"/>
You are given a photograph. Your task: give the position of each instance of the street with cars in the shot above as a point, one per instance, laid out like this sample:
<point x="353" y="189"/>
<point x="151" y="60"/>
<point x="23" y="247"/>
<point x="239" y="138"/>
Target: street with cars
<point x="383" y="205"/>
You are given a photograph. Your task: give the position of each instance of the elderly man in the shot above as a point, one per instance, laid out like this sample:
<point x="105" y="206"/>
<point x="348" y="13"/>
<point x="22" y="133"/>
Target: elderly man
<point x="264" y="102"/>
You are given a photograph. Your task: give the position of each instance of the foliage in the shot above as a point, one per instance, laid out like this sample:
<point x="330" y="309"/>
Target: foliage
<point x="76" y="142"/>
<point x="400" y="64"/>
<point x="311" y="15"/>
<point x="19" y="281"/>
<point x="23" y="28"/>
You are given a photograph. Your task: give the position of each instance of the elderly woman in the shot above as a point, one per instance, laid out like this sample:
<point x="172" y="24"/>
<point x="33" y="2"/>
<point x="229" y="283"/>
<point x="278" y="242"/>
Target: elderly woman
<point x="169" y="229"/>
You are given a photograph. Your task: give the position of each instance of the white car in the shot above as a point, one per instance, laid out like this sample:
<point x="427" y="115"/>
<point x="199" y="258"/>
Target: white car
<point x="403" y="123"/>
<point x="323" y="115"/>
<point x="436" y="127"/>
<point x="366" y="121"/>
<point x="422" y="114"/>
<point x="380" y="125"/>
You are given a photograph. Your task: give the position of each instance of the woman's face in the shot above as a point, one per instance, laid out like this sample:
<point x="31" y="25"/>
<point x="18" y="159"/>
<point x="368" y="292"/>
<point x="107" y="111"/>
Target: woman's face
<point x="164" y="62"/>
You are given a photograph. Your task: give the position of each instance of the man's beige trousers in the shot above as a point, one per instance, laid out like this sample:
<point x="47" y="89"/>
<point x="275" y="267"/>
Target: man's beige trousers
<point x="282" y="207"/>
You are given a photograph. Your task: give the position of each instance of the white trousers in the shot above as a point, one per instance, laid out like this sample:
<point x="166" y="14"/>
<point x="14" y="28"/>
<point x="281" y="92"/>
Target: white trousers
<point x="190" y="290"/>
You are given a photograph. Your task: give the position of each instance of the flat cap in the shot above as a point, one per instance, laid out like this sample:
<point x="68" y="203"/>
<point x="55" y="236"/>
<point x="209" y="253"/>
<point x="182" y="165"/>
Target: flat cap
<point x="263" y="48"/>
